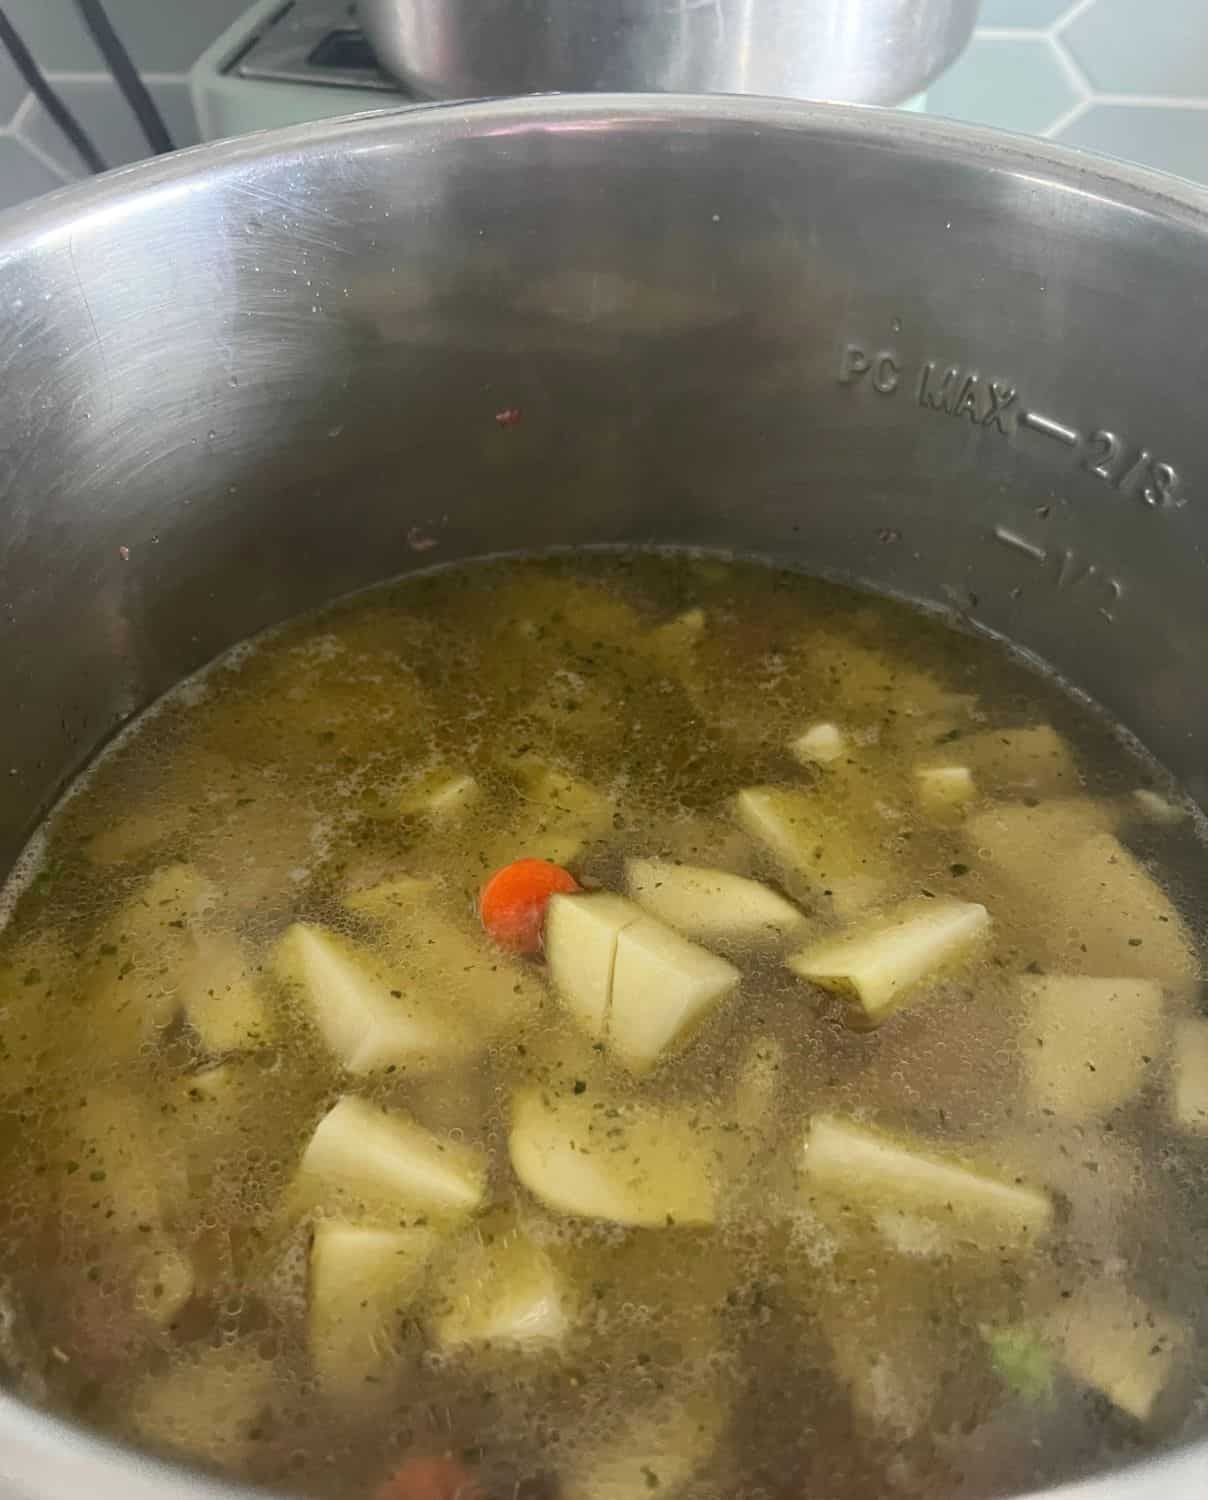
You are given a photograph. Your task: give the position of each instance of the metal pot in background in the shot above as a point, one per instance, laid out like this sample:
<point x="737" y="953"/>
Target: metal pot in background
<point x="948" y="365"/>
<point x="858" y="51"/>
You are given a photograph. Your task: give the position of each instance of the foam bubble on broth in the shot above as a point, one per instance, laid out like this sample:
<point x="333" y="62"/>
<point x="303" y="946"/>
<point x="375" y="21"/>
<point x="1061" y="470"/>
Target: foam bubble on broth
<point x="162" y="1070"/>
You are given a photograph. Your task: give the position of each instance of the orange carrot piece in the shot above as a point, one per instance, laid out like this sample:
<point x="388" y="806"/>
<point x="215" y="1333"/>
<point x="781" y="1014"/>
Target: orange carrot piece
<point x="512" y="904"/>
<point x="431" y="1479"/>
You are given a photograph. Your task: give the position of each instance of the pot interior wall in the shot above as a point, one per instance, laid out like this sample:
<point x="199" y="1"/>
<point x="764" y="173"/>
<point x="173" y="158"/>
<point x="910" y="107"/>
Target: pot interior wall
<point x="246" y="381"/>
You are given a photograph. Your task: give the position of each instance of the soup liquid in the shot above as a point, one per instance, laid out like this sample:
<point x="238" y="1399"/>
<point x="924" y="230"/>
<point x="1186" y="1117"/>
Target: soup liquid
<point x="362" y="771"/>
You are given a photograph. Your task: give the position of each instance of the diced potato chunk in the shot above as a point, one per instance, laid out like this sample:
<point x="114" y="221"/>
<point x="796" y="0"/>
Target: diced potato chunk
<point x="711" y="905"/>
<point x="1113" y="1341"/>
<point x="1117" y="917"/>
<point x="562" y="812"/>
<point x="663" y="987"/>
<point x="877" y="965"/>
<point x="810" y="842"/>
<point x="865" y="1166"/>
<point x="164" y="1279"/>
<point x="206" y="1404"/>
<point x="1035" y="759"/>
<point x="441" y="795"/>
<point x="944" y="788"/>
<point x="820" y="744"/>
<point x="1191" y="1075"/>
<point x="581" y="934"/>
<point x="505" y="1291"/>
<point x="397" y="900"/>
<point x="223" y="997"/>
<point x="602" y="1158"/>
<point x="1088" y="1042"/>
<point x="1021" y="839"/>
<point x="674" y="641"/>
<point x="361" y="1156"/>
<point x="361" y="1011"/>
<point x="654" y="1452"/>
<point x="1158" y="809"/>
<point x="362" y="1281"/>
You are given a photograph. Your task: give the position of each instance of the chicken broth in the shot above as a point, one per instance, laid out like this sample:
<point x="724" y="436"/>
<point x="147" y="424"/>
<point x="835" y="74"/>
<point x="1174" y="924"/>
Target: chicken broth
<point x="826" y="1114"/>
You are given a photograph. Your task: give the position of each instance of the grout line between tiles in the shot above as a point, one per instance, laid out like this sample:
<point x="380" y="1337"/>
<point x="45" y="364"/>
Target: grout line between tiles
<point x="1069" y="16"/>
<point x="48" y="161"/>
<point x="1069" y="65"/>
<point x="1064" y="121"/>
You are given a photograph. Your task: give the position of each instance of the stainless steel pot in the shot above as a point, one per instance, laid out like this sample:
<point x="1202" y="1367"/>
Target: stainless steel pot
<point x="943" y="363"/>
<point x="859" y="51"/>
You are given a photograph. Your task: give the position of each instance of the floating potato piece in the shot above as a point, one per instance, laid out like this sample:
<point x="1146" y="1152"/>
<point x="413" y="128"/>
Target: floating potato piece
<point x="362" y="1281"/>
<point x="397" y="899"/>
<point x="944" y="788"/>
<point x="711" y="905"/>
<point x="360" y="1007"/>
<point x="223" y="998"/>
<point x="1191" y="1076"/>
<point x="655" y="1451"/>
<point x="877" y="964"/>
<point x="867" y="1167"/>
<point x="1035" y="759"/>
<point x="1158" y="809"/>
<point x="809" y="839"/>
<point x="663" y="988"/>
<point x="675" y="641"/>
<point x="757" y="1083"/>
<point x="1112" y="1340"/>
<point x="207" y="1404"/>
<point x="820" y="744"/>
<point x="1088" y="1042"/>
<point x="503" y="1291"/>
<point x="626" y="1162"/>
<point x="128" y="1177"/>
<point x="362" y="1156"/>
<point x="581" y="934"/>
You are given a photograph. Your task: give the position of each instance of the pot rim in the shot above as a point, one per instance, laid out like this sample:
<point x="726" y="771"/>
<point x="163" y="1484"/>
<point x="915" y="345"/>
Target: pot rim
<point x="42" y="1454"/>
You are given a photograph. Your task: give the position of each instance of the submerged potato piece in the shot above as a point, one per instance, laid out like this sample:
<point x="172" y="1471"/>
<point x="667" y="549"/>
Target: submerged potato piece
<point x="655" y="1451"/>
<point x="362" y="1281"/>
<point x="711" y="904"/>
<point x="866" y="1167"/>
<point x="441" y="795"/>
<point x="944" y="788"/>
<point x="580" y="941"/>
<point x="1112" y="1340"/>
<point x="1034" y="759"/>
<point x="360" y="1009"/>
<point x="604" y="1158"/>
<point x="399" y="899"/>
<point x="362" y="1156"/>
<point x="1021" y="839"/>
<point x="1114" y="916"/>
<point x="663" y="987"/>
<point x="164" y="1279"/>
<point x="819" y="745"/>
<point x="808" y="838"/>
<point x="223" y="998"/>
<point x="1088" y="1042"/>
<point x="561" y="813"/>
<point x="207" y="1404"/>
<point x="504" y="1291"/>
<point x="1158" y="809"/>
<point x="878" y="963"/>
<point x="1190" y="1100"/>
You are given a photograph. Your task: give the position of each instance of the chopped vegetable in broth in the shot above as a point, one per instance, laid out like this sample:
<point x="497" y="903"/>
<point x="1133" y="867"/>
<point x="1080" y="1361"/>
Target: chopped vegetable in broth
<point x="612" y="1025"/>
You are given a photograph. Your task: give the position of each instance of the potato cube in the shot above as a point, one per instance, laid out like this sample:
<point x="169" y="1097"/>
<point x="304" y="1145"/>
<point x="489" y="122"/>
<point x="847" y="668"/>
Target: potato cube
<point x="362" y="1281"/>
<point x="1113" y="1341"/>
<point x="868" y="1167"/>
<point x="804" y="834"/>
<point x="711" y="905"/>
<point x="581" y="934"/>
<point x="820" y="744"/>
<point x="361" y="1156"/>
<point x="1088" y="1043"/>
<point x="503" y="1291"/>
<point x="663" y="987"/>
<point x="1191" y="1075"/>
<point x="943" y="789"/>
<point x="877" y="964"/>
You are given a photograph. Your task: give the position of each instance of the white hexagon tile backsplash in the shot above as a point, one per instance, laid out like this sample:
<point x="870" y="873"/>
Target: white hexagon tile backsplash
<point x="1126" y="77"/>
